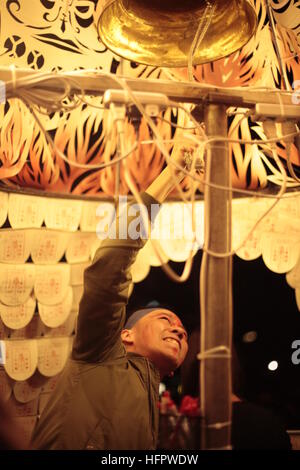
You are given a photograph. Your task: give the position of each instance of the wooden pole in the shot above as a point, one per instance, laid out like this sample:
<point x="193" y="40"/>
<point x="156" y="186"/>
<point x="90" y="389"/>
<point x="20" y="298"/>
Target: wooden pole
<point x="216" y="290"/>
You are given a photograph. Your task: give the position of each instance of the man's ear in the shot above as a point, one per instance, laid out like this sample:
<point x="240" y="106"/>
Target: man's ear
<point x="127" y="336"/>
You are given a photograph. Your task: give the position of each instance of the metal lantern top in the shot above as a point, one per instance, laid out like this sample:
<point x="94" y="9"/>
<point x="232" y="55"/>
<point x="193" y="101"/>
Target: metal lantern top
<point x="162" y="32"/>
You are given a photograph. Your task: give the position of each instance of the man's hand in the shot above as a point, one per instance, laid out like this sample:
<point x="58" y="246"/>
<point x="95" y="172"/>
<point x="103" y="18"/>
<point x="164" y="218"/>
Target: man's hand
<point x="183" y="155"/>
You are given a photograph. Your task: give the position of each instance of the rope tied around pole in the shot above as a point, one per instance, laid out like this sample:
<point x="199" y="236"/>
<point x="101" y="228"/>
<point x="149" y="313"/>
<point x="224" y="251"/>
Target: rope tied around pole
<point x="224" y="353"/>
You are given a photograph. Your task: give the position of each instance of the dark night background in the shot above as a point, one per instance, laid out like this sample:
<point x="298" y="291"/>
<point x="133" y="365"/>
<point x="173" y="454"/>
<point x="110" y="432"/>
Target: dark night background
<point x="263" y="303"/>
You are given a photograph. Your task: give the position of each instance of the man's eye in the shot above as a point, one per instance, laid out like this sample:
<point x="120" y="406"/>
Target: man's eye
<point x="165" y="318"/>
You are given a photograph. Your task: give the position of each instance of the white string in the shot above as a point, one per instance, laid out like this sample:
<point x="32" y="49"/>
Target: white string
<point x="225" y="424"/>
<point x="199" y="36"/>
<point x="210" y="353"/>
<point x="220" y="448"/>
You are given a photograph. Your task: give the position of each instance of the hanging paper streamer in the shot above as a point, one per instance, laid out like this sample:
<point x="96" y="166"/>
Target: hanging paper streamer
<point x="34" y="329"/>
<point x="18" y="316"/>
<point x="55" y="315"/>
<point x="16" y="283"/>
<point x="245" y="213"/>
<point x="21" y="359"/>
<point x="96" y="216"/>
<point x="3" y="207"/>
<point x="15" y="246"/>
<point x="79" y="247"/>
<point x="53" y="355"/>
<point x="26" y="211"/>
<point x="66" y="329"/>
<point x="251" y="248"/>
<point x="52" y="283"/>
<point x="48" y="246"/>
<point x="173" y="227"/>
<point x="63" y="214"/>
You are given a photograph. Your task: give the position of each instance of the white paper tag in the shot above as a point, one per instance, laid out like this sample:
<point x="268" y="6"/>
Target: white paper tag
<point x="16" y="283"/>
<point x="24" y="392"/>
<point x="48" y="246"/>
<point x="179" y="250"/>
<point x="174" y="228"/>
<point x="94" y="247"/>
<point x="89" y="218"/>
<point x="17" y="316"/>
<point x="293" y="277"/>
<point x="3" y="207"/>
<point x="77" y="273"/>
<point x="79" y="247"/>
<point x="63" y="214"/>
<point x="52" y="283"/>
<point x="55" y="315"/>
<point x="25" y="211"/>
<point x="251" y="249"/>
<point x="15" y="246"/>
<point x="249" y="210"/>
<point x="289" y="206"/>
<point x="53" y="355"/>
<point x="280" y="253"/>
<point x="150" y="257"/>
<point x="21" y="358"/>
<point x="34" y="329"/>
<point x="66" y="329"/>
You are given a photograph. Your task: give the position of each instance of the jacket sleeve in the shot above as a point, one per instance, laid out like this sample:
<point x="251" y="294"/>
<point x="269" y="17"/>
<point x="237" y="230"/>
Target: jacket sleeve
<point x="102" y="309"/>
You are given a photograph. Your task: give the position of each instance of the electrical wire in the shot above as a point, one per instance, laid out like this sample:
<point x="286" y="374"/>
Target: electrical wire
<point x="49" y="139"/>
<point x="204" y="24"/>
<point x="166" y="154"/>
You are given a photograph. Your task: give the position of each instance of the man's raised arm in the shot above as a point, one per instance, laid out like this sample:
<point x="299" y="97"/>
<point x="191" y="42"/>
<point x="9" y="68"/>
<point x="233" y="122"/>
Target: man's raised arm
<point x="107" y="281"/>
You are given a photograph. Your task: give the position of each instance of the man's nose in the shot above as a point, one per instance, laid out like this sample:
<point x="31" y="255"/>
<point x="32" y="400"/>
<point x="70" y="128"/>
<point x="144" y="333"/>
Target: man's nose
<point x="178" y="331"/>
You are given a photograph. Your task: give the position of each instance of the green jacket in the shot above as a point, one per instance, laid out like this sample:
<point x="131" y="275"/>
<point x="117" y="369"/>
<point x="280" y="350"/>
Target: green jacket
<point x="106" y="398"/>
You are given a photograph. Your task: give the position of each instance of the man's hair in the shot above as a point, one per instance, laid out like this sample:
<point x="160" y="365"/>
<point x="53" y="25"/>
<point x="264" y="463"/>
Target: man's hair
<point x="137" y="313"/>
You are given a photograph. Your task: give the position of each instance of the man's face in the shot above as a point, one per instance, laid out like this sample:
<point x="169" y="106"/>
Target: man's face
<point x="161" y="338"/>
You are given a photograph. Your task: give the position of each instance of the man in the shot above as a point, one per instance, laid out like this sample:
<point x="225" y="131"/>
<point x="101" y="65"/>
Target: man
<point x="107" y="397"/>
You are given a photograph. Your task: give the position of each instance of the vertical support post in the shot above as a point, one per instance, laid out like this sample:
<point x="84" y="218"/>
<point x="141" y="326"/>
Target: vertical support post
<point x="216" y="290"/>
